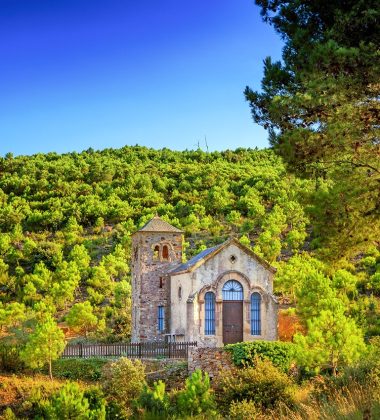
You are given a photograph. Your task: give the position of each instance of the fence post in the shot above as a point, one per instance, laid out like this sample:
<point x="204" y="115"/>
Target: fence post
<point x="81" y="350"/>
<point x="140" y="350"/>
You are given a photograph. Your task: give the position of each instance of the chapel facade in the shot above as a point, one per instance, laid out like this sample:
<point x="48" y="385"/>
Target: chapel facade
<point x="222" y="295"/>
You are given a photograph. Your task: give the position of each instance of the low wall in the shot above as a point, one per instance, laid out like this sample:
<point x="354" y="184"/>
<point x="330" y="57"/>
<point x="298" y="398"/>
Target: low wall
<point x="210" y="360"/>
<point x="172" y="372"/>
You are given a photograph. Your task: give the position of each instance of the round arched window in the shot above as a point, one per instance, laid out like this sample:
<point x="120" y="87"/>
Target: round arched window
<point x="232" y="290"/>
<point x="156" y="252"/>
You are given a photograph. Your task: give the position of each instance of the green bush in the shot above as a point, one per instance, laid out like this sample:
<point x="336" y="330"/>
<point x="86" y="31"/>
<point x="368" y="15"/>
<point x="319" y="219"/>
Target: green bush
<point x="155" y="401"/>
<point x="8" y="414"/>
<point x="79" y="369"/>
<point x="365" y="373"/>
<point x="264" y="384"/>
<point x="196" y="398"/>
<point x="242" y="410"/>
<point x="281" y="354"/>
<point x="96" y="402"/>
<point x="10" y="360"/>
<point x="70" y="402"/>
<point x="123" y="382"/>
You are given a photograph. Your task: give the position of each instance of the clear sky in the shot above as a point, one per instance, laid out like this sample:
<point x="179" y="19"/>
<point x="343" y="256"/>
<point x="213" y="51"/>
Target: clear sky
<point x="76" y="74"/>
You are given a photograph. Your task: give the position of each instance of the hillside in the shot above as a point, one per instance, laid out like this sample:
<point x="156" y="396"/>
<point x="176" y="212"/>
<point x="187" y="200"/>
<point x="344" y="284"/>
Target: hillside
<point x="66" y="222"/>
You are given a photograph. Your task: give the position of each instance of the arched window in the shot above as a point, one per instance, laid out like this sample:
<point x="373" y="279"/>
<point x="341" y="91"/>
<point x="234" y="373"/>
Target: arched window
<point x="255" y="314"/>
<point x="179" y="292"/>
<point x="165" y="252"/>
<point x="232" y="290"/>
<point x="209" y="313"/>
<point x="156" y="252"/>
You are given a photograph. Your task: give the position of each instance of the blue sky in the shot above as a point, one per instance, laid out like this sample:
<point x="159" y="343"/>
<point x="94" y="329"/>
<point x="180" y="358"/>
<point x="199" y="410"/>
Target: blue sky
<point x="76" y="74"/>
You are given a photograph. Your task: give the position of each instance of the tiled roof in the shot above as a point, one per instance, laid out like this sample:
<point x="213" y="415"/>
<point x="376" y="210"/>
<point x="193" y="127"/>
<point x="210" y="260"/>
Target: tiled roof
<point x="158" y="225"/>
<point x="210" y="252"/>
<point x="193" y="261"/>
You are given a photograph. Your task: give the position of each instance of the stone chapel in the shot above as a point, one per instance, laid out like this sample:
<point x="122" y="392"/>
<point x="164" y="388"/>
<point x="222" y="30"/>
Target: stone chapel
<point x="222" y="295"/>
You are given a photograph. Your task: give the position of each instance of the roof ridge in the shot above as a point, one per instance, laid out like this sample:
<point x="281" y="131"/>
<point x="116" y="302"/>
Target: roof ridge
<point x="207" y="253"/>
<point x="156" y="224"/>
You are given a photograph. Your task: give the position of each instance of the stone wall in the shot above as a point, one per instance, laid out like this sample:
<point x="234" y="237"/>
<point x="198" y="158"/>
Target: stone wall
<point x="210" y="360"/>
<point x="150" y="288"/>
<point x="172" y="371"/>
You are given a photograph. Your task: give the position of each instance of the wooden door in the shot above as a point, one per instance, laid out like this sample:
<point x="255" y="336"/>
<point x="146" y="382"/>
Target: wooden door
<point x="232" y="322"/>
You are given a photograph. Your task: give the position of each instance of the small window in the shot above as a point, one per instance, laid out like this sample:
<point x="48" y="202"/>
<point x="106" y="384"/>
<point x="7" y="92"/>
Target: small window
<point x="179" y="292"/>
<point x="161" y="318"/>
<point x="165" y="252"/>
<point x="233" y="259"/>
<point x="209" y="313"/>
<point x="161" y="282"/>
<point x="255" y="314"/>
<point x="156" y="252"/>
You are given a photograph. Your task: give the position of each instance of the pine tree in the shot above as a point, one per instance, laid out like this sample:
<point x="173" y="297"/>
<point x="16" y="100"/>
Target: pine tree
<point x="44" y="345"/>
<point x="320" y="105"/>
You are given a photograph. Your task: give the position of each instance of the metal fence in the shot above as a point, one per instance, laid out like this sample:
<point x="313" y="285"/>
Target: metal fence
<point x="148" y="350"/>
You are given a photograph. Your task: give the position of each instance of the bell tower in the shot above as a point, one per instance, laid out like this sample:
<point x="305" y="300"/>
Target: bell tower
<point x="156" y="249"/>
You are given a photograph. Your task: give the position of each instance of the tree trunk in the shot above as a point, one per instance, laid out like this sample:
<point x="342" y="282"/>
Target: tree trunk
<point x="50" y="371"/>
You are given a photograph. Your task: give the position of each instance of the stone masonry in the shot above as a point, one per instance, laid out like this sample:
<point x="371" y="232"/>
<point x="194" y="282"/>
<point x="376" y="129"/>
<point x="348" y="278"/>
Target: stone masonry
<point x="154" y="251"/>
<point x="210" y="360"/>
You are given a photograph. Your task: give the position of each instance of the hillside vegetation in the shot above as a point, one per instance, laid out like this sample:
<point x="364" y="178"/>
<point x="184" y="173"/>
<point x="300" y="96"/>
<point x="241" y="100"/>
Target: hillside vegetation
<point x="66" y="222"/>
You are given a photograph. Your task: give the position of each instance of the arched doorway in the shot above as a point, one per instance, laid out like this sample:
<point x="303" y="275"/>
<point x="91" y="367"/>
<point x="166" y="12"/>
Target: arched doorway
<point x="232" y="312"/>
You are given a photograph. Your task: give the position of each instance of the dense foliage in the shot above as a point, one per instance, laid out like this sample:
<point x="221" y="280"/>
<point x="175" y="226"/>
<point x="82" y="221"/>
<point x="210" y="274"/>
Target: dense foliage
<point x="195" y="399"/>
<point x="259" y="390"/>
<point x="263" y="384"/>
<point x="123" y="381"/>
<point x="321" y="107"/>
<point x="280" y="354"/>
<point x="66" y="222"/>
<point x="70" y="402"/>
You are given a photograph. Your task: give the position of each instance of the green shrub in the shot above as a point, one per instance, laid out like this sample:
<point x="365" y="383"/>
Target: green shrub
<point x="264" y="384"/>
<point x="70" y="402"/>
<point x="123" y="382"/>
<point x="281" y="354"/>
<point x="79" y="369"/>
<point x="10" y="360"/>
<point x="242" y="410"/>
<point x="8" y="414"/>
<point x="96" y="401"/>
<point x="114" y="411"/>
<point x="365" y="373"/>
<point x="155" y="401"/>
<point x="196" y="398"/>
